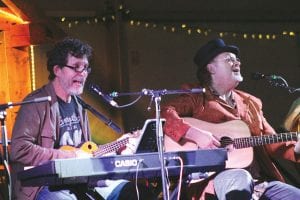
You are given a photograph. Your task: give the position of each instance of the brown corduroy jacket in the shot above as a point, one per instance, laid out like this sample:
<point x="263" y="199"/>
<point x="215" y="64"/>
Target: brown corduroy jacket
<point x="34" y="135"/>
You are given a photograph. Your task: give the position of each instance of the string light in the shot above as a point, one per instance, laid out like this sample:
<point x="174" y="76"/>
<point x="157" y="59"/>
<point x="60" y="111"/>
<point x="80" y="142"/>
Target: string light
<point x="292" y="33"/>
<point x="111" y="11"/>
<point x="32" y="64"/>
<point x="189" y="29"/>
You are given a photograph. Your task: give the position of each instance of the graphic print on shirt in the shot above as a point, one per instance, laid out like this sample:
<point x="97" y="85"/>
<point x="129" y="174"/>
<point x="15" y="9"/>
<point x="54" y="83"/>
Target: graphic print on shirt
<point x="69" y="125"/>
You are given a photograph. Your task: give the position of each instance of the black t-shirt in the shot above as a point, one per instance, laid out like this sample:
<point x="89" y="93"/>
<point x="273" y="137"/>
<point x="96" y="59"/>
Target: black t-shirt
<point x="70" y="130"/>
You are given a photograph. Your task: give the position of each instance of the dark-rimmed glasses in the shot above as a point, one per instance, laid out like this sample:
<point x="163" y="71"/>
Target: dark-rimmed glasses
<point x="80" y="69"/>
<point x="230" y="59"/>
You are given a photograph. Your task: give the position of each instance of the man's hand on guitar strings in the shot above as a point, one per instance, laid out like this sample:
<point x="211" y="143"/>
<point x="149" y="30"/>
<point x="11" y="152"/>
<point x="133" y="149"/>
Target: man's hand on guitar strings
<point x="131" y="146"/>
<point x="204" y="139"/>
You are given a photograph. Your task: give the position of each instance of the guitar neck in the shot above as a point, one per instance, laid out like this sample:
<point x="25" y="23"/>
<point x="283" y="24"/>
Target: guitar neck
<point x="111" y="147"/>
<point x="239" y="143"/>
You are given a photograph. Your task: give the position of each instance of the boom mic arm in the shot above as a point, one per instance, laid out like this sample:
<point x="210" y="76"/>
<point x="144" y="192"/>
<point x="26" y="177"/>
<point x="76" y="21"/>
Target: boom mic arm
<point x="97" y="90"/>
<point x="274" y="80"/>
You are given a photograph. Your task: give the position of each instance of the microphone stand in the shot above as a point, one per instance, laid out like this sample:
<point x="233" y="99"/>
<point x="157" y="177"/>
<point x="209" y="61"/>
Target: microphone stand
<point x="156" y="94"/>
<point x="4" y="135"/>
<point x="107" y="121"/>
<point x="5" y="157"/>
<point x="160" y="143"/>
<point x="281" y="82"/>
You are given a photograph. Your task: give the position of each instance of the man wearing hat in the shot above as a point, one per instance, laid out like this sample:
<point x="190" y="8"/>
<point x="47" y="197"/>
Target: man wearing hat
<point x="219" y="72"/>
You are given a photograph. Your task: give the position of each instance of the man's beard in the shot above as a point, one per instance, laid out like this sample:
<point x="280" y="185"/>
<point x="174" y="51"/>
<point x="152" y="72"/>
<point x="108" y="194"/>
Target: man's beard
<point x="239" y="78"/>
<point x="76" y="91"/>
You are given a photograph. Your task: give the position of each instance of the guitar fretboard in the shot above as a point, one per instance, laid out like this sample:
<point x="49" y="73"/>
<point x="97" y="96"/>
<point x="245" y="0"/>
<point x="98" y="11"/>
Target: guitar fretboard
<point x="239" y="143"/>
<point x="111" y="147"/>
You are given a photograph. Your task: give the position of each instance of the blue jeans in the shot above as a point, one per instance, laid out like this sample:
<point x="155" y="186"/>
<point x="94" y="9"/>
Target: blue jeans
<point x="238" y="184"/>
<point x="46" y="194"/>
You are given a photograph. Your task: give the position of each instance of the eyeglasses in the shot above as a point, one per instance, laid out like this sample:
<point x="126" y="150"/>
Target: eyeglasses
<point x="232" y="60"/>
<point x="80" y="69"/>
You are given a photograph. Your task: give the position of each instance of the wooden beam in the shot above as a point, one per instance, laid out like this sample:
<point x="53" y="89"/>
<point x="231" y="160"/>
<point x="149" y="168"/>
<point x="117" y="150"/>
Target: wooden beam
<point x="7" y="16"/>
<point x="16" y="10"/>
<point x="42" y="29"/>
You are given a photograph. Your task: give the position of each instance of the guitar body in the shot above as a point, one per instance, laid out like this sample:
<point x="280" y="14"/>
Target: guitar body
<point x="97" y="151"/>
<point x="88" y="147"/>
<point x="237" y="158"/>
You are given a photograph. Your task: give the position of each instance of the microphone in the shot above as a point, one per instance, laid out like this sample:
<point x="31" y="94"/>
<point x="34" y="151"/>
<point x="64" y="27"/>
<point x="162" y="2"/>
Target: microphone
<point x="96" y="89"/>
<point x="42" y="99"/>
<point x="35" y="100"/>
<point x="259" y="76"/>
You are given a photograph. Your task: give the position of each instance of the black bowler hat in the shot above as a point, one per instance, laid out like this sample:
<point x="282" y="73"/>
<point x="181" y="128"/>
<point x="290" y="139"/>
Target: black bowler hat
<point x="210" y="50"/>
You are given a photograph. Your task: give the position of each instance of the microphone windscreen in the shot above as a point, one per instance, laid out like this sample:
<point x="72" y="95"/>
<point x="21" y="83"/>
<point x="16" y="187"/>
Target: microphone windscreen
<point x="257" y="76"/>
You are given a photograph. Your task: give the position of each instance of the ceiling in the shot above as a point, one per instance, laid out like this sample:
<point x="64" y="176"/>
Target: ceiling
<point x="257" y="15"/>
<point x="178" y="10"/>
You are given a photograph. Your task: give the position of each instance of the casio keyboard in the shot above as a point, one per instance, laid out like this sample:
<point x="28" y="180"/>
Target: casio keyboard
<point x="142" y="165"/>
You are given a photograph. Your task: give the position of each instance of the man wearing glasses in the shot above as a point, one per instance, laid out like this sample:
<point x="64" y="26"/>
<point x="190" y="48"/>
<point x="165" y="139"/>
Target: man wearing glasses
<point x="41" y="129"/>
<point x="219" y="71"/>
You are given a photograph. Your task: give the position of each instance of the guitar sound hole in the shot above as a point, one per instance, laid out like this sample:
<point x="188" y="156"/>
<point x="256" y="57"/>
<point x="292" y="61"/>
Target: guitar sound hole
<point x="89" y="146"/>
<point x="225" y="141"/>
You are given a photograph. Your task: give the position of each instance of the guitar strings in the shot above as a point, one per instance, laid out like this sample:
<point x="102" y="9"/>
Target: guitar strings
<point x="259" y="140"/>
<point x="110" y="147"/>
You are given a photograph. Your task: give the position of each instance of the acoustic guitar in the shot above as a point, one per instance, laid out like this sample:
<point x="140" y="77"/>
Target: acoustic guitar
<point x="99" y="150"/>
<point x="233" y="135"/>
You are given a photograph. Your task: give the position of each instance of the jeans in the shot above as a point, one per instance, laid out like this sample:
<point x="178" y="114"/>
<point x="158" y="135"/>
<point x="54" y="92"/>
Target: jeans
<point x="238" y="184"/>
<point x="113" y="192"/>
<point x="116" y="190"/>
<point x="45" y="193"/>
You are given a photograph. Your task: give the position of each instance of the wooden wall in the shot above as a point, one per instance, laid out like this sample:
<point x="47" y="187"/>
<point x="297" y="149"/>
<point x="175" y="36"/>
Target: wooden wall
<point x="14" y="67"/>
